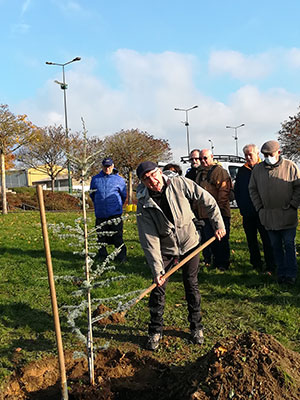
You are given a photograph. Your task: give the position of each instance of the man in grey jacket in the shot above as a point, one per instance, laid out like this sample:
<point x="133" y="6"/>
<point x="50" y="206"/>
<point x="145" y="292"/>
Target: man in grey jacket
<point x="275" y="192"/>
<point x="167" y="234"/>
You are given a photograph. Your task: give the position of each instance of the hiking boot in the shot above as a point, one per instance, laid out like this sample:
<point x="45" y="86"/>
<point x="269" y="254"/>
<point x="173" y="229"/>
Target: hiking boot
<point x="290" y="281"/>
<point x="197" y="336"/>
<point x="153" y="341"/>
<point x="281" y="280"/>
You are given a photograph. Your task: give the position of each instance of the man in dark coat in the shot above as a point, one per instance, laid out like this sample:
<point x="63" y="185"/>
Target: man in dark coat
<point x="195" y="164"/>
<point x="251" y="221"/>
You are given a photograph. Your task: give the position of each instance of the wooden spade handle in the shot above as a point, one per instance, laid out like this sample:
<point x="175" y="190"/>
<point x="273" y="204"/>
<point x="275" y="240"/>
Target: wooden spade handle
<point x="175" y="268"/>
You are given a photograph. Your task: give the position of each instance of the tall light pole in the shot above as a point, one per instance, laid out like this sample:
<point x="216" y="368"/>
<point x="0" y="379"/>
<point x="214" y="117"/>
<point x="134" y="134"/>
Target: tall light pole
<point x="235" y="137"/>
<point x="211" y="146"/>
<point x="64" y="87"/>
<point x="186" y="123"/>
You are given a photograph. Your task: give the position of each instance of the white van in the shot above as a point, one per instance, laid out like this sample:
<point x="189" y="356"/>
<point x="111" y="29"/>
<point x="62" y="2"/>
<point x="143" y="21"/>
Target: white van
<point x="229" y="162"/>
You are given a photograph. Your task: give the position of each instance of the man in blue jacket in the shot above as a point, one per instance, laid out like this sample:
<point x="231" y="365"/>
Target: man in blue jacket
<point x="251" y="221"/>
<point x="108" y="197"/>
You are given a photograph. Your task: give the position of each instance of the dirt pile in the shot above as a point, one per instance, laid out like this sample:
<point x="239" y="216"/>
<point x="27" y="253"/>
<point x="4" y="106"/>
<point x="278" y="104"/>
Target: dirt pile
<point x="111" y="318"/>
<point x="250" y="366"/>
<point x="57" y="201"/>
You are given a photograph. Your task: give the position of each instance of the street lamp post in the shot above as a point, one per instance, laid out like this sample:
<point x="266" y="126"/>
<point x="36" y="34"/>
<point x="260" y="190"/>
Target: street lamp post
<point x="186" y="123"/>
<point x="211" y="146"/>
<point x="64" y="87"/>
<point x="235" y="137"/>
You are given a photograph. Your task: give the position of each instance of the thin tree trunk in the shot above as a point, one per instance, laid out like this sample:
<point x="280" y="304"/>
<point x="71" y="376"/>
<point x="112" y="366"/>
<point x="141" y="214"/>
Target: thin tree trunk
<point x="90" y="349"/>
<point x="130" y="187"/>
<point x="3" y="183"/>
<point x="52" y="184"/>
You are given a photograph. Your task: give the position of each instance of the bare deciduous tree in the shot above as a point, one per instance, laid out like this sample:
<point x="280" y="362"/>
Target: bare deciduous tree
<point x="48" y="153"/>
<point x="131" y="147"/>
<point x="81" y="147"/>
<point x="289" y="137"/>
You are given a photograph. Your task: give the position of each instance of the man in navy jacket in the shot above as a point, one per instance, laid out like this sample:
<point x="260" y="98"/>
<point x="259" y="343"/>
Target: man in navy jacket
<point x="108" y="197"/>
<point x="251" y="221"/>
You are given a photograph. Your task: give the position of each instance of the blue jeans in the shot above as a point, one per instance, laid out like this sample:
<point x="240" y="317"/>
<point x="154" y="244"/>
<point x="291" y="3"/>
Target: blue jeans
<point x="284" y="249"/>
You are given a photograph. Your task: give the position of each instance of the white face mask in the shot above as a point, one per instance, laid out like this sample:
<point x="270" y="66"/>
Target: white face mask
<point x="271" y="160"/>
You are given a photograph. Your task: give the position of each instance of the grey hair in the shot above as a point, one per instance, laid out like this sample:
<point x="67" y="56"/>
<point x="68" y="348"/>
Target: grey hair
<point x="252" y="146"/>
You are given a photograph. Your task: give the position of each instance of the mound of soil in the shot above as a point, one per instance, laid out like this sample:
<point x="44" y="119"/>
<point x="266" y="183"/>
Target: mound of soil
<point x="112" y="318"/>
<point x="249" y="366"/>
<point x="57" y="201"/>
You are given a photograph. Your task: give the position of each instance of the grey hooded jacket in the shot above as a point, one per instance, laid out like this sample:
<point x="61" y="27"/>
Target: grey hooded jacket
<point x="158" y="235"/>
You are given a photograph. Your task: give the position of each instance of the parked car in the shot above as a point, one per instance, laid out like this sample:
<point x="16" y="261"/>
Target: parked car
<point x="230" y="162"/>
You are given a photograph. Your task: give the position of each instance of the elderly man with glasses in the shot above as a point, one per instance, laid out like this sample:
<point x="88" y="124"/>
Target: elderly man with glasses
<point x="167" y="234"/>
<point x="216" y="180"/>
<point x="195" y="164"/>
<point x="275" y="192"/>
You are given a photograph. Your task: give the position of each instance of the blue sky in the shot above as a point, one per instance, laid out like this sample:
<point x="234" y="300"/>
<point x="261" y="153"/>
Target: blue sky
<point x="239" y="61"/>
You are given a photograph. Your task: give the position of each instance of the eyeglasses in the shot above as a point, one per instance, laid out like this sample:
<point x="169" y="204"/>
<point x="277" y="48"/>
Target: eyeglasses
<point x="203" y="158"/>
<point x="194" y="158"/>
<point x="151" y="175"/>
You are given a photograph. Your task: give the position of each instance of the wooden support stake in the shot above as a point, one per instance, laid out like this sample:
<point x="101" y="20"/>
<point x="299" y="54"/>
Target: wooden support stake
<point x="175" y="268"/>
<point x="61" y="359"/>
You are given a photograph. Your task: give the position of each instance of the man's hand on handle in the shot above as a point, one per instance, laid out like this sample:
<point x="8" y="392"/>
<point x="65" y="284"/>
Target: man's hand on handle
<point x="159" y="280"/>
<point x="219" y="233"/>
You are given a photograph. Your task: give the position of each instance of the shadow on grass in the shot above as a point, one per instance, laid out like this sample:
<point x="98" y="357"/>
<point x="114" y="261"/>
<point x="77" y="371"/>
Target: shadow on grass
<point x="233" y="284"/>
<point x="17" y="253"/>
<point x="120" y="333"/>
<point x="19" y="316"/>
<point x="135" y="265"/>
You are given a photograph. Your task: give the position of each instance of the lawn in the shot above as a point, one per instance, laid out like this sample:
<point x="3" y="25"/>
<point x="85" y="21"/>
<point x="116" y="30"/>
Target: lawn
<point x="233" y="302"/>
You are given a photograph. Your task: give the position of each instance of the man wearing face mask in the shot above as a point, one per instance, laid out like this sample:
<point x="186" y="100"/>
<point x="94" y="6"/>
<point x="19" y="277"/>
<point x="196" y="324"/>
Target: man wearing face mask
<point x="275" y="192"/>
<point x="251" y="221"/>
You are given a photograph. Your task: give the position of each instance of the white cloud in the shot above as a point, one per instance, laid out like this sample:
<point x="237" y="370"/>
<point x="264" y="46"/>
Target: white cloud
<point x="25" y="6"/>
<point x="293" y="58"/>
<point x="151" y="86"/>
<point x="240" y="66"/>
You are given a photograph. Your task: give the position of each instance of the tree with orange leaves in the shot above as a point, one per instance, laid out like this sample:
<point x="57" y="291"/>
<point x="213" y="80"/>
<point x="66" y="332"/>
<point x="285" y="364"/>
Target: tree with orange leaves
<point x="15" y="131"/>
<point x="9" y="161"/>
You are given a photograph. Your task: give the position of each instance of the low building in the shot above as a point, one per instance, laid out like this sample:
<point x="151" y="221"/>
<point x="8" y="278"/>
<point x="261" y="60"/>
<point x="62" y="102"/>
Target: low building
<point x="27" y="177"/>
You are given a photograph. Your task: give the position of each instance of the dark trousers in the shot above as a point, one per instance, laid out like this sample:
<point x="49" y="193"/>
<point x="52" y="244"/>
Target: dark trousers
<point x="219" y="249"/>
<point x="252" y="226"/>
<point x="283" y="243"/>
<point x="116" y="239"/>
<point x="192" y="294"/>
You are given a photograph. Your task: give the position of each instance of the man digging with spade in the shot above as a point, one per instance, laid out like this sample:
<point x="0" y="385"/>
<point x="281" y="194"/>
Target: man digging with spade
<point x="167" y="234"/>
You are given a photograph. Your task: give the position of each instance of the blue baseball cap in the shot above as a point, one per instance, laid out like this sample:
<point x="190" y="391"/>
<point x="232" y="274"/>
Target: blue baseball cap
<point x="107" y="162"/>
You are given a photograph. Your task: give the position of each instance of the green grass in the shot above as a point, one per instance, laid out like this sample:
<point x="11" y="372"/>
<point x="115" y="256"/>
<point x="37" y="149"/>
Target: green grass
<point x="238" y="300"/>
